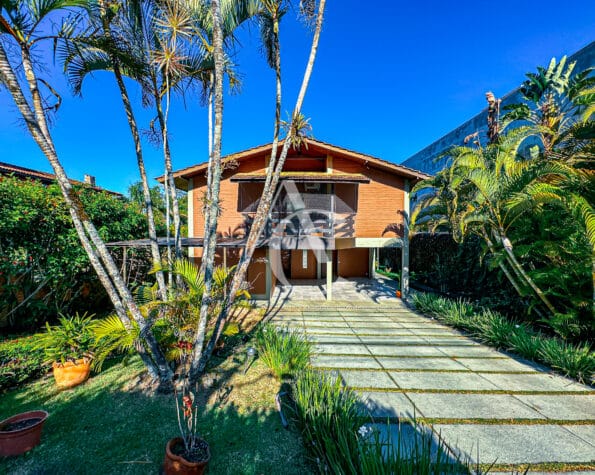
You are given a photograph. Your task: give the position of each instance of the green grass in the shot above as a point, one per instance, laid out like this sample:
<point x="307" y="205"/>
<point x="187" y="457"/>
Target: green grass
<point x="110" y="425"/>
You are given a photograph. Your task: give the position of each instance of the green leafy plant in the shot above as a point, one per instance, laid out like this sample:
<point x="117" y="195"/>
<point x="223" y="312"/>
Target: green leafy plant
<point x="344" y="439"/>
<point x="20" y="361"/>
<point x="72" y="339"/>
<point x="575" y="361"/>
<point x="285" y="352"/>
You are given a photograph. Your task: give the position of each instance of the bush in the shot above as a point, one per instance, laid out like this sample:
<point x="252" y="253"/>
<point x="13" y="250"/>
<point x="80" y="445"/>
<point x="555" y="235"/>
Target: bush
<point x="43" y="267"/>
<point x="20" y="361"/>
<point x="575" y="361"/>
<point x="285" y="352"/>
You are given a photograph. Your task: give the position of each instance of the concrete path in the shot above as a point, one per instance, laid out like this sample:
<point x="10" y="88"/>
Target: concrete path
<point x="480" y="400"/>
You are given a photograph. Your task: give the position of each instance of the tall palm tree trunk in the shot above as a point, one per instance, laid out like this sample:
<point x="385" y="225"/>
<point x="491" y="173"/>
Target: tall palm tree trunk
<point x="139" y="154"/>
<point x="210" y="237"/>
<point x="109" y="275"/>
<point x="265" y="203"/>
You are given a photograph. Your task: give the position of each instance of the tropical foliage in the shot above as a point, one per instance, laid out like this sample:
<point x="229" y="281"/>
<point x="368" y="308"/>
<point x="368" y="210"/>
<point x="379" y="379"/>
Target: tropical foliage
<point x="529" y="197"/>
<point x="44" y="270"/>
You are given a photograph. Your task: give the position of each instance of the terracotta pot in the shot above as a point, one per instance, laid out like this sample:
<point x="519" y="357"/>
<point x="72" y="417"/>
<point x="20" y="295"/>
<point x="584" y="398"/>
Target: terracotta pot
<point x="398" y="294"/>
<point x="175" y="464"/>
<point x="71" y="374"/>
<point x="16" y="442"/>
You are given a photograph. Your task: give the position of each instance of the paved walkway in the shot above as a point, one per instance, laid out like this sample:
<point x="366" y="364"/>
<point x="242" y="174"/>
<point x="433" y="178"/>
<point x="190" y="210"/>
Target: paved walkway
<point x="355" y="289"/>
<point x="477" y="398"/>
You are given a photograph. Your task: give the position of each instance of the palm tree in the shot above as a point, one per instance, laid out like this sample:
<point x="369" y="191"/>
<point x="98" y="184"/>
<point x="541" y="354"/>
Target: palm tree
<point x="273" y="174"/>
<point x="24" y="25"/>
<point x="480" y="192"/>
<point x="104" y="45"/>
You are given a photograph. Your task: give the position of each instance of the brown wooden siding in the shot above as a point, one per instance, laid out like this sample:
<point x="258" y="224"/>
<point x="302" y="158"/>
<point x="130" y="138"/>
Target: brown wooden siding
<point x="353" y="262"/>
<point x="297" y="269"/>
<point x="379" y="201"/>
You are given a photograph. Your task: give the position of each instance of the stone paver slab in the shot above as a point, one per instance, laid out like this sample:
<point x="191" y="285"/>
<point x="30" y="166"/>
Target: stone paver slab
<point x="327" y="330"/>
<point x="395" y="340"/>
<point x="421" y="363"/>
<point x="388" y="404"/>
<point x="586" y="433"/>
<point x="474" y="351"/>
<point x="406" y="350"/>
<point x="432" y="380"/>
<point x="450" y="341"/>
<point x="341" y="349"/>
<point x="563" y="407"/>
<point x="517" y="443"/>
<point x="331" y="339"/>
<point x="504" y="365"/>
<point x="533" y="382"/>
<point x="472" y="406"/>
<point x="345" y="362"/>
<point x="367" y="379"/>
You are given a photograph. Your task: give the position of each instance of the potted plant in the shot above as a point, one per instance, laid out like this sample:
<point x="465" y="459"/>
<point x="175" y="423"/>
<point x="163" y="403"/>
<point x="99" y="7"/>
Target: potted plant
<point x="189" y="453"/>
<point x="68" y="346"/>
<point x="21" y="433"/>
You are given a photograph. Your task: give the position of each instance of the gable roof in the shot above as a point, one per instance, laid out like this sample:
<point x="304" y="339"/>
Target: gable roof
<point x="181" y="176"/>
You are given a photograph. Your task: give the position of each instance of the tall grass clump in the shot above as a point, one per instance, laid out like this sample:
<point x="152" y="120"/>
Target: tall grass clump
<point x="343" y="438"/>
<point x="575" y="361"/>
<point x="330" y="417"/>
<point x="284" y="351"/>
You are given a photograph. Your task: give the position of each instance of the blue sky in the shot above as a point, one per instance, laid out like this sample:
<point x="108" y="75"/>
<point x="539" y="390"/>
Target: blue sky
<point x="390" y="78"/>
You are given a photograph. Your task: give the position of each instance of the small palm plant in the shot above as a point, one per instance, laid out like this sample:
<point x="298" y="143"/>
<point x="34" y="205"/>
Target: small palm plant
<point x="71" y="340"/>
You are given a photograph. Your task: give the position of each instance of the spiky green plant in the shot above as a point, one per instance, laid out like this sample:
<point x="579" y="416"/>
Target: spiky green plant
<point x="284" y="351"/>
<point x="70" y="340"/>
<point x="575" y="361"/>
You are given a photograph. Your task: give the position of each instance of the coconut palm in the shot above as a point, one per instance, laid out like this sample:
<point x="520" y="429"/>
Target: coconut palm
<point x="24" y="25"/>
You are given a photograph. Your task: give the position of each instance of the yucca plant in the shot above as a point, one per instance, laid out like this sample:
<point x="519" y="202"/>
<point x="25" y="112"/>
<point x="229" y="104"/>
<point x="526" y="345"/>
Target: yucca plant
<point x="285" y="352"/>
<point x="71" y="340"/>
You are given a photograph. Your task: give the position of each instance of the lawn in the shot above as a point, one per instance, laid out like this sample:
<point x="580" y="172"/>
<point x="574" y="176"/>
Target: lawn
<point x="112" y="424"/>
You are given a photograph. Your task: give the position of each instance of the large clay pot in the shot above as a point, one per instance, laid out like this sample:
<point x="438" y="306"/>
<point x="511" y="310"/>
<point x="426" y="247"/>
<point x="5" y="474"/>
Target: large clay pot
<point x="71" y="374"/>
<point x="176" y="465"/>
<point x="16" y="442"/>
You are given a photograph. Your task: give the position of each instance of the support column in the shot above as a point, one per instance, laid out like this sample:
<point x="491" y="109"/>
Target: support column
<point x="190" y="198"/>
<point x="329" y="274"/>
<point x="405" y="249"/>
<point x="268" y="275"/>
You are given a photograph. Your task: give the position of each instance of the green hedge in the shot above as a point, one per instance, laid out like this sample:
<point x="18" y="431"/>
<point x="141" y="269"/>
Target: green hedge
<point x="19" y="362"/>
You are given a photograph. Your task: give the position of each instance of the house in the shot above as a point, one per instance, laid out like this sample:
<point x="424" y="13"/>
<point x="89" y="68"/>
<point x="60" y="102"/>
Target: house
<point x="334" y="208"/>
<point x="7" y="169"/>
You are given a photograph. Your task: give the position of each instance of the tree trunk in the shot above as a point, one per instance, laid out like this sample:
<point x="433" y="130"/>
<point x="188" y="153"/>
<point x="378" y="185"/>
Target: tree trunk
<point x="139" y="155"/>
<point x="504" y="269"/>
<point x="515" y="263"/>
<point x="210" y="237"/>
<point x="108" y="276"/>
<point x="265" y="203"/>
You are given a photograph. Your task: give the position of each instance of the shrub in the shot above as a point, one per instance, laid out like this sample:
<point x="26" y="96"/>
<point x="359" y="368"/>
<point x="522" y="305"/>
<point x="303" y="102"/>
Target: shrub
<point x="285" y="352"/>
<point x="575" y="361"/>
<point x="494" y="329"/>
<point x="524" y="343"/>
<point x="71" y="340"/>
<point x="20" y="361"/>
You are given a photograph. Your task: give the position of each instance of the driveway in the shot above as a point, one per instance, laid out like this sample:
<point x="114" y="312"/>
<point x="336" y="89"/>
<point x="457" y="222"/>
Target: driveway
<point x="477" y="398"/>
